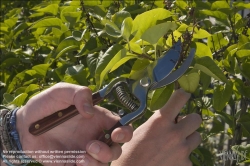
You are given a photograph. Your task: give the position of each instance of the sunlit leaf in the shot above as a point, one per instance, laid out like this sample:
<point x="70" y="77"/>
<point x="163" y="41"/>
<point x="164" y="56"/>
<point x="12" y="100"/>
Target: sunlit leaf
<point x="153" y="34"/>
<point x="208" y="66"/>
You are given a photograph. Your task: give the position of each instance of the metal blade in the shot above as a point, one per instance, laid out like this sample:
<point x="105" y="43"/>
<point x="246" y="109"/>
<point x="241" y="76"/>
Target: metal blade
<point x="176" y="74"/>
<point x="167" y="63"/>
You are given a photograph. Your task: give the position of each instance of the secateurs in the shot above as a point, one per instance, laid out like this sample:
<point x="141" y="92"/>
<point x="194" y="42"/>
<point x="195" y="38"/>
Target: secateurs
<point x="131" y="93"/>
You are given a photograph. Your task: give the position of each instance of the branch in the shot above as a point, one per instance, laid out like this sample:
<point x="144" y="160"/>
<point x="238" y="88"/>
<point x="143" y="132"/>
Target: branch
<point x="145" y="56"/>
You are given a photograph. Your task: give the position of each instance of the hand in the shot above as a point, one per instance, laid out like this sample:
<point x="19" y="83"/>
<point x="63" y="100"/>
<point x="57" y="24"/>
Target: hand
<point x="160" y="141"/>
<point x="78" y="133"/>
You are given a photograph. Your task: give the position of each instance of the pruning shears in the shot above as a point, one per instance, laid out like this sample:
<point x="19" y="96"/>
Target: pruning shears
<point x="131" y="93"/>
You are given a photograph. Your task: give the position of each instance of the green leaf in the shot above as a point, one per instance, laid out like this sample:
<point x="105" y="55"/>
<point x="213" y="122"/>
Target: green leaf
<point x="112" y="31"/>
<point x="217" y="41"/>
<point x="50" y="22"/>
<point x="220" y="4"/>
<point x="160" y="97"/>
<point x="202" y="50"/>
<point x="41" y="69"/>
<point x="245" y="70"/>
<point x="148" y="19"/>
<point x="153" y="34"/>
<point x="32" y="89"/>
<point x="222" y="94"/>
<point x="216" y="14"/>
<point x="11" y="22"/>
<point x="122" y="61"/>
<point x="243" y="151"/>
<point x="77" y="75"/>
<point x="126" y="28"/>
<point x="200" y="34"/>
<point x="119" y="17"/>
<point x="243" y="53"/>
<point x="208" y="66"/>
<point x="139" y="69"/>
<point x="241" y="5"/>
<point x="190" y="81"/>
<point x="245" y="122"/>
<point x="52" y="9"/>
<point x="205" y="81"/>
<point x="106" y="62"/>
<point x="20" y="99"/>
<point x="92" y="60"/>
<point x="8" y="97"/>
<point x="67" y="45"/>
<point x="92" y="45"/>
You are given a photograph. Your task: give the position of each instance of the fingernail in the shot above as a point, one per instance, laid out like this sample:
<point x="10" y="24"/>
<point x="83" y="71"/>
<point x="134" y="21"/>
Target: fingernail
<point x="120" y="137"/>
<point x="89" y="109"/>
<point x="84" y="162"/>
<point x="94" y="148"/>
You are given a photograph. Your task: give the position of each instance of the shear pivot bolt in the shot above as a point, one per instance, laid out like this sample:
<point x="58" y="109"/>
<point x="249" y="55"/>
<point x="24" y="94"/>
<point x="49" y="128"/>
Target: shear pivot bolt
<point x="145" y="82"/>
<point x="107" y="136"/>
<point x="121" y="112"/>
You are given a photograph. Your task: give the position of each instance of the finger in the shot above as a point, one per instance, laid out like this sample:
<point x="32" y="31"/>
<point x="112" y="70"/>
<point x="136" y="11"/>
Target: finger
<point x="59" y="97"/>
<point x="189" y="124"/>
<point x="87" y="160"/>
<point x="102" y="152"/>
<point x="193" y="141"/>
<point x="174" y="104"/>
<point x="122" y="134"/>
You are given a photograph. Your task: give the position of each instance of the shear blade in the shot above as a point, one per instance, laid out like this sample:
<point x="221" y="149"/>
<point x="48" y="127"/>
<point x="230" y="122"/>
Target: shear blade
<point x="176" y="74"/>
<point x="167" y="63"/>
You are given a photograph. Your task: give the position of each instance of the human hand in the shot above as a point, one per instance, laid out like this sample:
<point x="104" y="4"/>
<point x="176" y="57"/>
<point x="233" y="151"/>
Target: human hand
<point x="78" y="133"/>
<point x="160" y="141"/>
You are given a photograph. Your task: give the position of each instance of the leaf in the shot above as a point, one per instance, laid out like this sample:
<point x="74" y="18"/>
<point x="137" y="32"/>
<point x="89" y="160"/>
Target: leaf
<point x="160" y="97"/>
<point x="32" y="89"/>
<point x="106" y="62"/>
<point x="52" y="9"/>
<point x="148" y="19"/>
<point x="20" y="99"/>
<point x="11" y="22"/>
<point x="41" y="69"/>
<point x="200" y="34"/>
<point x="92" y="60"/>
<point x="217" y="41"/>
<point x="119" y="17"/>
<point x="8" y="97"/>
<point x="50" y="22"/>
<point x="208" y="66"/>
<point x="122" y="61"/>
<point x="67" y="45"/>
<point x="245" y="122"/>
<point x="92" y="45"/>
<point x="222" y="94"/>
<point x="112" y="31"/>
<point x="153" y="34"/>
<point x="77" y="75"/>
<point x="241" y="5"/>
<point x="220" y="4"/>
<point x="216" y="14"/>
<point x="245" y="70"/>
<point x="243" y="151"/>
<point x="202" y="50"/>
<point x="126" y="28"/>
<point x="243" y="53"/>
<point x="190" y="81"/>
<point x="139" y="69"/>
<point x="205" y="81"/>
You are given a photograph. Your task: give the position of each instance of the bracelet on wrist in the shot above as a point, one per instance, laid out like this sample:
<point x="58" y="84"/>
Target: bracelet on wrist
<point x="10" y="141"/>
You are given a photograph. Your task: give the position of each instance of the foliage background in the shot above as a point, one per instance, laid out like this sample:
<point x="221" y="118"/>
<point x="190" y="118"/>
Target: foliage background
<point x="89" y="43"/>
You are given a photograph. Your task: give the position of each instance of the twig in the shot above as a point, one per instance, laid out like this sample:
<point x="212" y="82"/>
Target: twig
<point x="145" y="56"/>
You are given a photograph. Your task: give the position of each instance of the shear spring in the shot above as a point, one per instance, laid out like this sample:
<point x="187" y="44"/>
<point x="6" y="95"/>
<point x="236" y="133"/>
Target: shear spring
<point x="125" y="98"/>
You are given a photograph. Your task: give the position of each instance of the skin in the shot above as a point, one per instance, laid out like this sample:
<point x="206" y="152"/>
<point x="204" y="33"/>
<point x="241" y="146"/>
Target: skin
<point x="164" y="142"/>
